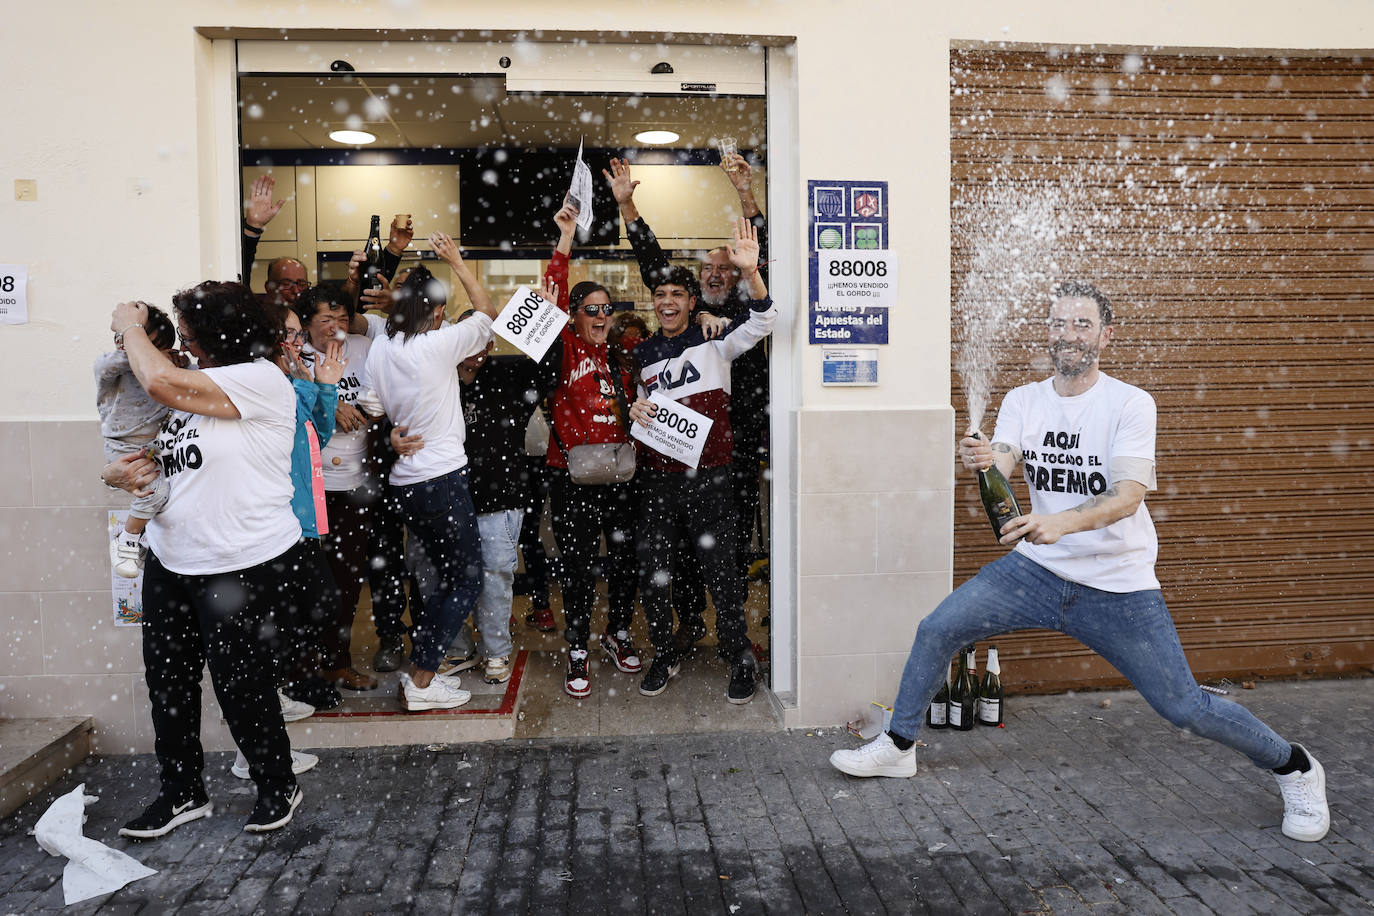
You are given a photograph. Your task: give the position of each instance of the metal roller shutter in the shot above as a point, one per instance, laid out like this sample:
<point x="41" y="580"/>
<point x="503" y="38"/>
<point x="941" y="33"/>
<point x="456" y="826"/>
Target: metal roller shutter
<point x="1226" y="204"/>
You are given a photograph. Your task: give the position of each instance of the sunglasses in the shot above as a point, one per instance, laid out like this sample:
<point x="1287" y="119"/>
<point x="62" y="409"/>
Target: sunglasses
<point x="606" y="309"/>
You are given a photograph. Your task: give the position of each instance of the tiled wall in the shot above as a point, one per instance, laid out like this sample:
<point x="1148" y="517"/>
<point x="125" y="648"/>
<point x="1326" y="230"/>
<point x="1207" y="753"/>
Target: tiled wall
<point x="875" y="555"/>
<point x="65" y="656"/>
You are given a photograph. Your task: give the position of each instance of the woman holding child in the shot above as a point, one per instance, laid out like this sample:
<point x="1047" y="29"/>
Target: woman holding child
<point x="222" y="553"/>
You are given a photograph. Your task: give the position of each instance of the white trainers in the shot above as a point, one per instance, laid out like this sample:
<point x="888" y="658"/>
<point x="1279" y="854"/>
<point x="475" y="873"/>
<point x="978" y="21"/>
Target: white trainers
<point x="1306" y="815"/>
<point x="442" y="693"/>
<point x="301" y="762"/>
<point x="126" y="555"/>
<point x="879" y="757"/>
<point x="293" y="710"/>
<point x="497" y="670"/>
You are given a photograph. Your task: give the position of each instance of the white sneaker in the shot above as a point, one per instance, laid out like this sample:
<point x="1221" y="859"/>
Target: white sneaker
<point x="879" y="757"/>
<point x="301" y="762"/>
<point x="442" y="693"/>
<point x="294" y="710"/>
<point x="1306" y="815"/>
<point x="126" y="555"/>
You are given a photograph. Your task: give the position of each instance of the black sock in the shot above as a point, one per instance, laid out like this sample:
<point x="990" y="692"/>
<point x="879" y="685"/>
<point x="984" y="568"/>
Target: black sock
<point x="903" y="744"/>
<point x="1297" y="760"/>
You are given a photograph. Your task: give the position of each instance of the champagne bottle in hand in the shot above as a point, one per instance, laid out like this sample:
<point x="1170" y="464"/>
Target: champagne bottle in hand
<point x="372" y="266"/>
<point x="998" y="498"/>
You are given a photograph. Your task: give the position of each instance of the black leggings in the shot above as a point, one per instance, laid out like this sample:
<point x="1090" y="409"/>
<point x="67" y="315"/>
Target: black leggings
<point x="581" y="514"/>
<point x="243" y="624"/>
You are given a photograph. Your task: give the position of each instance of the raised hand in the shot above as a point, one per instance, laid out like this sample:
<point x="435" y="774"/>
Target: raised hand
<point x="261" y="207"/>
<point x="566" y="219"/>
<point x="744" y="247"/>
<point x="737" y="170"/>
<point x="401" y="235"/>
<point x="622" y="187"/>
<point x="329" y="366"/>
<point x="446" y="249"/>
<point x="549" y="291"/>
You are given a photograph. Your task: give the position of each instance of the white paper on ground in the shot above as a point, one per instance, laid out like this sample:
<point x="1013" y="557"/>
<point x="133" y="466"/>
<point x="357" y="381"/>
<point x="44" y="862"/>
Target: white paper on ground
<point x="92" y="868"/>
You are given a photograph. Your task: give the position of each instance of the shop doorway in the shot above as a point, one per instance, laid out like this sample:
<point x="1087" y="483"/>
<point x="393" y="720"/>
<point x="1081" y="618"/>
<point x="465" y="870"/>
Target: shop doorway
<point x="454" y="117"/>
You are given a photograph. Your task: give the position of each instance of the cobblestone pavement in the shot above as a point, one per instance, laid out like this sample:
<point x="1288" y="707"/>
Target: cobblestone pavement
<point x="1072" y="808"/>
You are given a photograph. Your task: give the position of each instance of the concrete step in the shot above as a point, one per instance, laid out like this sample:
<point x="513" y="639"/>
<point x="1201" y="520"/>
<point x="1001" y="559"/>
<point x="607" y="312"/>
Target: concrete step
<point x="35" y="753"/>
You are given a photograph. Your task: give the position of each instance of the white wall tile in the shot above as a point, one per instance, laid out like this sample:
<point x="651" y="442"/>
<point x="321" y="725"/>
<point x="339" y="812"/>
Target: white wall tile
<point x="21" y="620"/>
<point x="79" y="636"/>
<point x="837" y="533"/>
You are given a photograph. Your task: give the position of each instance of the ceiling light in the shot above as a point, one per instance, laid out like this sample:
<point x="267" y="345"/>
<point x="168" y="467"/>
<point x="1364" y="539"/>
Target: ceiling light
<point x="352" y="137"/>
<point x="656" y="136"/>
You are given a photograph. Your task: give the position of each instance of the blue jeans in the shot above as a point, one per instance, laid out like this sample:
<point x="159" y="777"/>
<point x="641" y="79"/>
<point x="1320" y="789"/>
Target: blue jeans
<point x="1131" y="630"/>
<point x="500" y="532"/>
<point x="440" y="516"/>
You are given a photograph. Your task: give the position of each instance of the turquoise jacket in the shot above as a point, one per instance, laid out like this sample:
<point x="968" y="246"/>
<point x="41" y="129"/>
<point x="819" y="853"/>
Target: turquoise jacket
<point x="315" y="403"/>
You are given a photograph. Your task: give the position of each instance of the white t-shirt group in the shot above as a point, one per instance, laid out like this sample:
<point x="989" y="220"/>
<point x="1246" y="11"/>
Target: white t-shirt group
<point x="1068" y="446"/>
<point x="229" y="481"/>
<point x="416" y="380"/>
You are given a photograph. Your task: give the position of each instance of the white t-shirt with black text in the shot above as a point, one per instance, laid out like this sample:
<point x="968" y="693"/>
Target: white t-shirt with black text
<point x="346" y="453"/>
<point x="416" y="379"/>
<point x="229" y="481"/>
<point x="1068" y="445"/>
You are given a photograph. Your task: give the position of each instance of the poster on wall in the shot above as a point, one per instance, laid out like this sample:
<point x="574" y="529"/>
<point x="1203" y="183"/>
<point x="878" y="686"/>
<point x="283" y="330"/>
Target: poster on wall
<point x="14" y="294"/>
<point x="127" y="594"/>
<point x="853" y="275"/>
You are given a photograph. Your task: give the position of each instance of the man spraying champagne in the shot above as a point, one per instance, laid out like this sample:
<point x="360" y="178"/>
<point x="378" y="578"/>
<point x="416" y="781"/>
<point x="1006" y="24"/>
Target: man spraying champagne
<point x="1083" y="563"/>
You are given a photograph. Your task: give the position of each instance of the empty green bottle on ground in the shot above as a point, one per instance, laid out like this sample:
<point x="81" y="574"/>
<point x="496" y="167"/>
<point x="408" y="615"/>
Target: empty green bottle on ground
<point x="937" y="715"/>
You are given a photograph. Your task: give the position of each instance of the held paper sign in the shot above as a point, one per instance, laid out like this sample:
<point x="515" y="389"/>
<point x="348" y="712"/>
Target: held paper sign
<point x="676" y="430"/>
<point x="14" y="294"/>
<point x="857" y="279"/>
<point x="530" y="322"/>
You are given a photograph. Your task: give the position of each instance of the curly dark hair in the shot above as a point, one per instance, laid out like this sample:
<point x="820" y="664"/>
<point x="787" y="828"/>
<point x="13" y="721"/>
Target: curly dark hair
<point x="416" y="299"/>
<point x="679" y="276"/>
<point x="227" y="322"/>
<point x="322" y="295"/>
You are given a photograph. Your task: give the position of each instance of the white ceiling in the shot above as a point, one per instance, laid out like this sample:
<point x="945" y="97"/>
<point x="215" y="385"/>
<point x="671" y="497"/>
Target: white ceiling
<point x="298" y="112"/>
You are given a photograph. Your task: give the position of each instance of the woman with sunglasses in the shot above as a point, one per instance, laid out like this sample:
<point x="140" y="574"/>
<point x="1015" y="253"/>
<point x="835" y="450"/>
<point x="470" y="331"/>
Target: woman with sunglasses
<point x="588" y="406"/>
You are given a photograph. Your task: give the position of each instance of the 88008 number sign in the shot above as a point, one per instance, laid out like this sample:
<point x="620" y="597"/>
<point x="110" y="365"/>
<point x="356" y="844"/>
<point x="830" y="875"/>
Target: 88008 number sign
<point x="671" y="419"/>
<point x="530" y="306"/>
<point x="857" y="268"/>
<point x="530" y="322"/>
<point x="676" y="430"/>
<point x="855" y="279"/>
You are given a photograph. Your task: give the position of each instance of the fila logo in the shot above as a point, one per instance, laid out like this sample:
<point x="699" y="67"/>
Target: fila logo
<point x="665" y="378"/>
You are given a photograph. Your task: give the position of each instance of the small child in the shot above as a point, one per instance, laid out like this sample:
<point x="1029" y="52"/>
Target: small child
<point x="129" y="421"/>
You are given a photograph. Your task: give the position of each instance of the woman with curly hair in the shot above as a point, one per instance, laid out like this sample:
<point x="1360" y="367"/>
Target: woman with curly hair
<point x="219" y="582"/>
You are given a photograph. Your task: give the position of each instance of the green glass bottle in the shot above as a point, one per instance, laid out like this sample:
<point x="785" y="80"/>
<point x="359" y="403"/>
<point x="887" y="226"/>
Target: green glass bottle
<point x="372" y="250"/>
<point x="989" y="710"/>
<point x="937" y="715"/>
<point x="967" y="690"/>
<point x="998" y="498"/>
